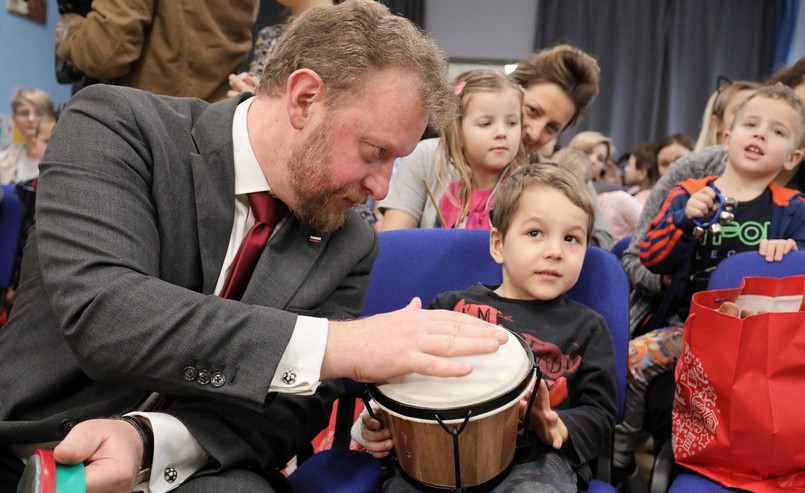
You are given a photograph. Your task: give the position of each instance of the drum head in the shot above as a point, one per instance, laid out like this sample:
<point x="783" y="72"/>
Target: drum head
<point x="496" y="378"/>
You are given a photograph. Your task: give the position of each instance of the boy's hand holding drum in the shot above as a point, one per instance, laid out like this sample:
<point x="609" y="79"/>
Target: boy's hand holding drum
<point x="544" y="420"/>
<point x="376" y="436"/>
<point x="409" y="340"/>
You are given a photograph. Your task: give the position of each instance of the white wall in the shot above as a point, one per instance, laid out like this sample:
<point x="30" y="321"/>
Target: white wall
<point x="488" y="30"/>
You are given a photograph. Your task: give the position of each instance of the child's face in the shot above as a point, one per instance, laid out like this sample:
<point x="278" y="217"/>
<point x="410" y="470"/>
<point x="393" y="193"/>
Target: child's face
<point x="26" y="118"/>
<point x="491" y="131"/>
<point x="763" y="138"/>
<point x="598" y="158"/>
<point x="632" y="175"/>
<point x="668" y="155"/>
<point x="544" y="248"/>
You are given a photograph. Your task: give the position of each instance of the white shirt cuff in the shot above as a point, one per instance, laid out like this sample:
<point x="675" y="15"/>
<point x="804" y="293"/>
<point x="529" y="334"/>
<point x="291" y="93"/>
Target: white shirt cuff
<point x="177" y="455"/>
<point x="299" y="369"/>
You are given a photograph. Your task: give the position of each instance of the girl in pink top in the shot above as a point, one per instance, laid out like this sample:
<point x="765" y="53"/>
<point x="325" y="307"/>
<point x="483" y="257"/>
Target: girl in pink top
<point x="480" y="148"/>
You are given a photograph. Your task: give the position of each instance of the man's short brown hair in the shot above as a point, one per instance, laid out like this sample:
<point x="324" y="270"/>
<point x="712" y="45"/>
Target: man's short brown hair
<point x="347" y="42"/>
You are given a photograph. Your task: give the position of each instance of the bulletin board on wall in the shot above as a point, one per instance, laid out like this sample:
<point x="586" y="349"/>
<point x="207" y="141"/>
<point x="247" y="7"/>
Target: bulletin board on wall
<point x="7" y="136"/>
<point x="35" y="10"/>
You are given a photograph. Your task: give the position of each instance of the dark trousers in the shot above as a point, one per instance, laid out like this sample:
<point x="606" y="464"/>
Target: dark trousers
<point x="659" y="402"/>
<point x="11" y="468"/>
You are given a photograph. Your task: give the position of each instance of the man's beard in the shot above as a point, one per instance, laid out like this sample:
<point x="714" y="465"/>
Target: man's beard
<point x="317" y="202"/>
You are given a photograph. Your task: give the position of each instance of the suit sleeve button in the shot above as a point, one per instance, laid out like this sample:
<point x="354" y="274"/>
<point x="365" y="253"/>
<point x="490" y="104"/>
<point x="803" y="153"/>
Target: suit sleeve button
<point x="203" y="377"/>
<point x="67" y="425"/>
<point x="218" y="379"/>
<point x="189" y="373"/>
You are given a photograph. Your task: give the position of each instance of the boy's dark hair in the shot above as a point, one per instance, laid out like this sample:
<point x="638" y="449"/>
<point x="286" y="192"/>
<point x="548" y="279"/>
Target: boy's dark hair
<point x="645" y="156"/>
<point x="548" y="175"/>
<point x="781" y="93"/>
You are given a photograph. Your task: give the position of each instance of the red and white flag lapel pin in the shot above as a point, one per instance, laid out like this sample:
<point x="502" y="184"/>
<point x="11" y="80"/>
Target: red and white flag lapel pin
<point x="314" y="239"/>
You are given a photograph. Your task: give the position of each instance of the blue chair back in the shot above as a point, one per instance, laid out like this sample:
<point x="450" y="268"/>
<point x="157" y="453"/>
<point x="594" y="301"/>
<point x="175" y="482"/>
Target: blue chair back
<point x="621" y="246"/>
<point x="426" y="262"/>
<point x="10" y="229"/>
<point x="730" y="272"/>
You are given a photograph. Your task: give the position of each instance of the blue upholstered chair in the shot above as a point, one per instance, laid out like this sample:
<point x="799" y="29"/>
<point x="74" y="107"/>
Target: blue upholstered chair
<point x="424" y="263"/>
<point x="10" y="229"/>
<point x="729" y="273"/>
<point x="621" y="246"/>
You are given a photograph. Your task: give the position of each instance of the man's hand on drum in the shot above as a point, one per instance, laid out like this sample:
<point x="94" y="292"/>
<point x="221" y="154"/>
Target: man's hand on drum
<point x="377" y="438"/>
<point x="409" y="340"/>
<point x="545" y="422"/>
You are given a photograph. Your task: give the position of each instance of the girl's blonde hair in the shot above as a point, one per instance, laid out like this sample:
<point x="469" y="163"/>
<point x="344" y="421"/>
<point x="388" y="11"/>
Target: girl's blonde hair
<point x="575" y="160"/>
<point x="587" y="140"/>
<point x="452" y="160"/>
<point x="37" y="98"/>
<point x="716" y="106"/>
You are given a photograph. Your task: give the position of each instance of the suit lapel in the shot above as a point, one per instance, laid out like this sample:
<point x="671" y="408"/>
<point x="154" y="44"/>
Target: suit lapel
<point x="215" y="210"/>
<point x="214" y="185"/>
<point x="285" y="264"/>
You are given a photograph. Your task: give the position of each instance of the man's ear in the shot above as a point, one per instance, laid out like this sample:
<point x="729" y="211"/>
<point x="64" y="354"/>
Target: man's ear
<point x="305" y="87"/>
<point x="496" y="245"/>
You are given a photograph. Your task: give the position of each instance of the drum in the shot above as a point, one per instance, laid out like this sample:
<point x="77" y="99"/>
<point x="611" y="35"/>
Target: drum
<point x="43" y="475"/>
<point x="454" y="433"/>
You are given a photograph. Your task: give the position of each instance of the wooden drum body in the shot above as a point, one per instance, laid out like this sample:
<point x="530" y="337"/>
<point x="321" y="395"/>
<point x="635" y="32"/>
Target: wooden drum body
<point x="459" y="432"/>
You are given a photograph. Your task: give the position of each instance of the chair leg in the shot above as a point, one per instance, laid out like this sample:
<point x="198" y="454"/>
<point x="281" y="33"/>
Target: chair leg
<point x="344" y="417"/>
<point x="663" y="471"/>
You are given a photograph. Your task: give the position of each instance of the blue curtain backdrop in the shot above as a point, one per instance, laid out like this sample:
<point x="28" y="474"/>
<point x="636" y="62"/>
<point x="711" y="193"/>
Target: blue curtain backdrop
<point x="660" y="59"/>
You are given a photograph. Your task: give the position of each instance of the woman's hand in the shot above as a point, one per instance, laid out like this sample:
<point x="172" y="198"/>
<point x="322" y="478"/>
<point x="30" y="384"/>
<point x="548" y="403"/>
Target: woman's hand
<point x="242" y="82"/>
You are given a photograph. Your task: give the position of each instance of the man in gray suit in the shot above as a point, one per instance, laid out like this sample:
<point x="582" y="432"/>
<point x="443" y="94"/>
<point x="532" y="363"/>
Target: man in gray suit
<point x="141" y="208"/>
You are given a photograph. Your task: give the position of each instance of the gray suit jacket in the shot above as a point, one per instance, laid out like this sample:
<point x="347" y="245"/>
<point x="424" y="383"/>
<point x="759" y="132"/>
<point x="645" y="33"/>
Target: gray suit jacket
<point x="134" y="212"/>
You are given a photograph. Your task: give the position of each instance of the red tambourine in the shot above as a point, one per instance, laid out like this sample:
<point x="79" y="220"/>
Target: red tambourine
<point x="43" y="475"/>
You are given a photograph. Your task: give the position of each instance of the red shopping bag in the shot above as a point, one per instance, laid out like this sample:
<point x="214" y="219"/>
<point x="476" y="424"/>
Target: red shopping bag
<point x="739" y="408"/>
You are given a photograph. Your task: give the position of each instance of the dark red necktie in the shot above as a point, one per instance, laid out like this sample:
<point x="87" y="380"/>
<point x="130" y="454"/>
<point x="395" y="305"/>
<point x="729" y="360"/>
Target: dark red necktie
<point x="267" y="211"/>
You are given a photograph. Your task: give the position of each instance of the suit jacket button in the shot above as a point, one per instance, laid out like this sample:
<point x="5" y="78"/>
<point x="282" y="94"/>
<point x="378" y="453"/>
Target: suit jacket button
<point x="218" y="379"/>
<point x="189" y="373"/>
<point x="203" y="377"/>
<point x="67" y="425"/>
